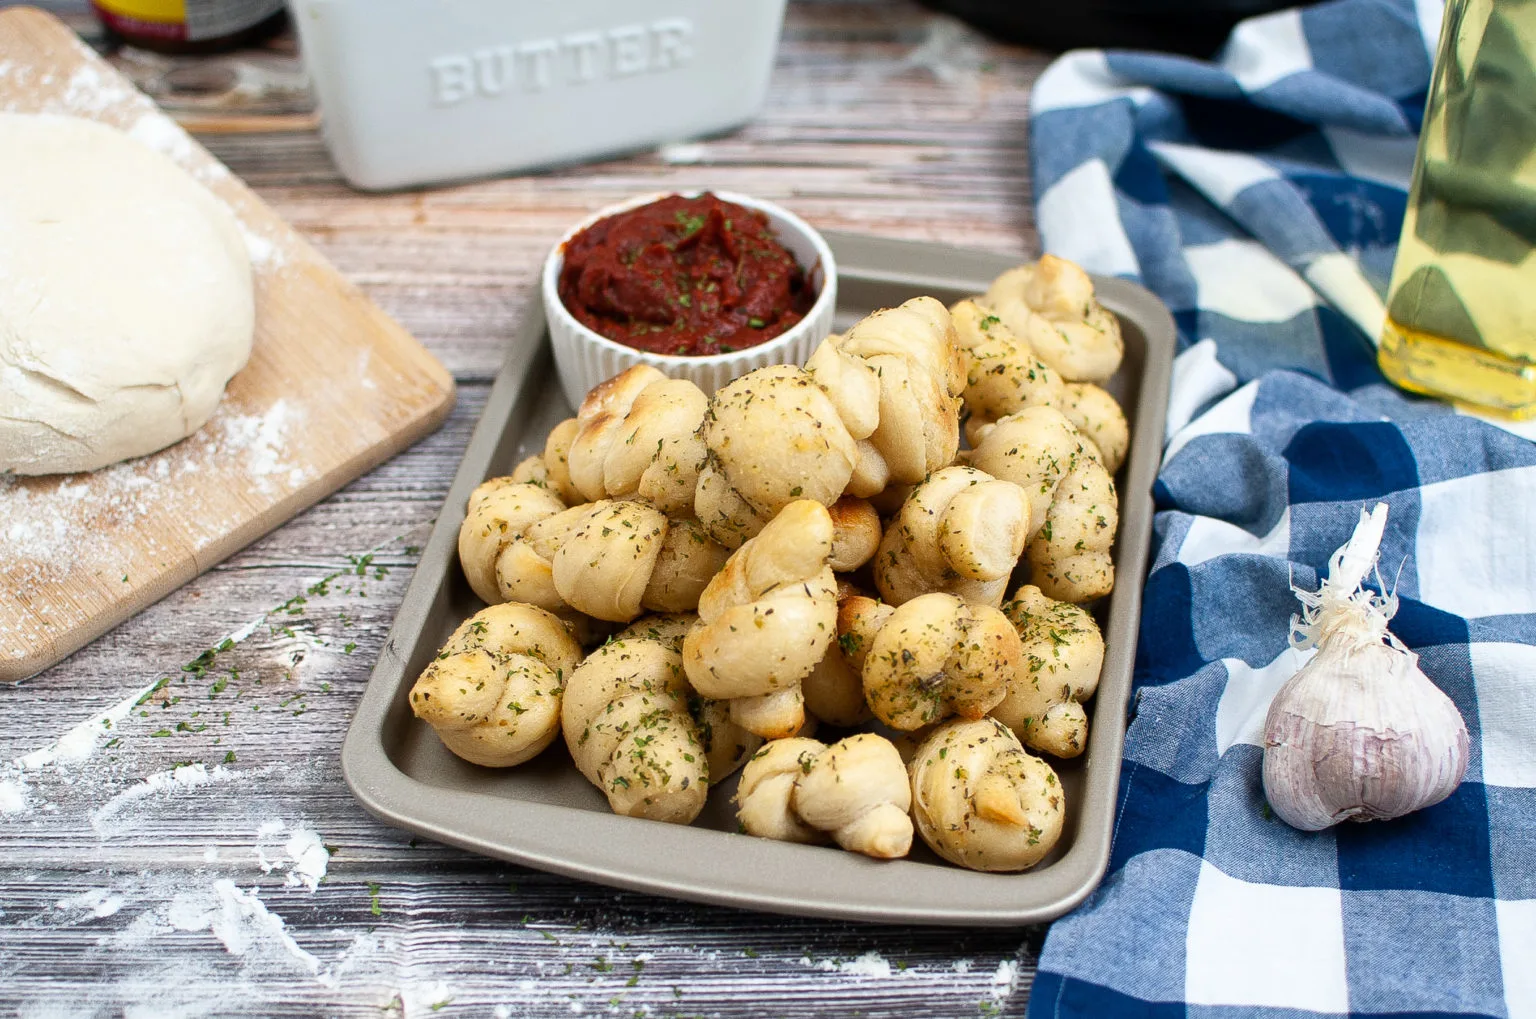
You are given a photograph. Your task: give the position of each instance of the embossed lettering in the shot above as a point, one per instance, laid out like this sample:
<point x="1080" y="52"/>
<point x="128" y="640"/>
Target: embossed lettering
<point x="630" y="50"/>
<point x="494" y="69"/>
<point x="538" y="60"/>
<point x="674" y="47"/>
<point x="586" y="50"/>
<point x="575" y="59"/>
<point x="452" y="80"/>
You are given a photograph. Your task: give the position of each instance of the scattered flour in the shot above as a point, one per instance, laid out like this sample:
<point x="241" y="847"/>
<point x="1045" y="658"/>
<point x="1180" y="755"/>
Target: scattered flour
<point x="181" y="778"/>
<point x="13" y="796"/>
<point x="242" y="632"/>
<point x="239" y="919"/>
<point x="264" y="254"/>
<point x="88" y="91"/>
<point x="236" y="916"/>
<point x="79" y="743"/>
<point x="310" y="858"/>
<point x="424" y="999"/>
<point x="98" y="901"/>
<point x="56" y="527"/>
<point x="870" y="964"/>
<point x="303" y="857"/>
<point x="260" y="437"/>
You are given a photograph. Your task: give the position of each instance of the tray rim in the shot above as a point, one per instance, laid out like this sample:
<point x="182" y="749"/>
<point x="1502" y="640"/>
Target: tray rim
<point x="401" y="800"/>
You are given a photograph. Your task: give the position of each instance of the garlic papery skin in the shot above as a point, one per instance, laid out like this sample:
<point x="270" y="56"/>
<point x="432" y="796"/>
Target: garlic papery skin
<point x="1359" y="733"/>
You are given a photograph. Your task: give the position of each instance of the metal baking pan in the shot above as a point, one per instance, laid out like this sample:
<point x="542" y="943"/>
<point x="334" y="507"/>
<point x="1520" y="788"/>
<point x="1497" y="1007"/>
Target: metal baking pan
<point x="545" y="815"/>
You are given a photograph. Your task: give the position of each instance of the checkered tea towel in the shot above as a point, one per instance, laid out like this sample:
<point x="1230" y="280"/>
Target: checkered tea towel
<point x="1260" y="196"/>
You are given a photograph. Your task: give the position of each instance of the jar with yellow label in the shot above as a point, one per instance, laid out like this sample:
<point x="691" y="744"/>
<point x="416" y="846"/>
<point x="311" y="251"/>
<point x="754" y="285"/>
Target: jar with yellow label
<point x="190" y="26"/>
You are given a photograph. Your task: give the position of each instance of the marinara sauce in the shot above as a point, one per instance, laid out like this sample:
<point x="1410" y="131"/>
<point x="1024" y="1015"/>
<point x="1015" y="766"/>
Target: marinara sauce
<point x="692" y="276"/>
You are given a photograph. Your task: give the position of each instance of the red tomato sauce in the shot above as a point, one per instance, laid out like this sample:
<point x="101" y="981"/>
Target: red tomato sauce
<point x="693" y="276"/>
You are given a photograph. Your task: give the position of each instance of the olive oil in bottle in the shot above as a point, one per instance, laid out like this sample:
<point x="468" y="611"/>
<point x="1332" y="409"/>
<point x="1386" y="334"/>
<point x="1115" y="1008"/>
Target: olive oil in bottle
<point x="1461" y="310"/>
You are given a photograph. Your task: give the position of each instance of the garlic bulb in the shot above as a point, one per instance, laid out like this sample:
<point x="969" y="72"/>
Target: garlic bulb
<point x="1359" y="733"/>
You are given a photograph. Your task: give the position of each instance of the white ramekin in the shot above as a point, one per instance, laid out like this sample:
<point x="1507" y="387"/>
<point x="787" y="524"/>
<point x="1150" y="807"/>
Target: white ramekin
<point x="584" y="358"/>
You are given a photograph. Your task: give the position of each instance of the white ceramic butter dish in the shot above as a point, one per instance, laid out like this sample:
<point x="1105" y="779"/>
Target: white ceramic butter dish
<point x="422" y="91"/>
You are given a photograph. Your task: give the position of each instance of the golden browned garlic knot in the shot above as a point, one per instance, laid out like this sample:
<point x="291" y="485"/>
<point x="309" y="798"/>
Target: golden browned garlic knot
<point x="1073" y="505"/>
<point x="855" y="791"/>
<point x="938" y="656"/>
<point x="766" y="620"/>
<point x="1063" y="653"/>
<point x="628" y="727"/>
<point x="637" y="438"/>
<point x="493" y="693"/>
<point x="981" y="800"/>
<point x="773" y="437"/>
<point x="960" y="532"/>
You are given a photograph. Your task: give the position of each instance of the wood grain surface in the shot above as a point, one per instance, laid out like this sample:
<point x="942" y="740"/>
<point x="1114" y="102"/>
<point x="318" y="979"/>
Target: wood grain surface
<point x="333" y="387"/>
<point x="130" y="888"/>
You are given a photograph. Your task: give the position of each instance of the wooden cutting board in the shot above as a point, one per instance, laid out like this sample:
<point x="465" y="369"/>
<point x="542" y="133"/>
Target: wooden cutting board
<point x="333" y="387"/>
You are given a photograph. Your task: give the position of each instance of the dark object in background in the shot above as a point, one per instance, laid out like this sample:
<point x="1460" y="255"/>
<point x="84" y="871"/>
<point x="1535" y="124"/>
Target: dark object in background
<point x="1195" y="27"/>
<point x="202" y="26"/>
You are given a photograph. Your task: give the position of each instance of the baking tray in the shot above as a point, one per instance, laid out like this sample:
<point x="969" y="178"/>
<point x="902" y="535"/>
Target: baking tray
<point x="544" y="814"/>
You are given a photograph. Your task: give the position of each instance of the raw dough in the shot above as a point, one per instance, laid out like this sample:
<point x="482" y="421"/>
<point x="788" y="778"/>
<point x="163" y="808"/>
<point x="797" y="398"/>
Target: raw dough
<point x="126" y="301"/>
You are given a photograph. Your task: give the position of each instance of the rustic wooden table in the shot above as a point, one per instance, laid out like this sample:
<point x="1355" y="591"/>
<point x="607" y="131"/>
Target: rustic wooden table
<point x="155" y="863"/>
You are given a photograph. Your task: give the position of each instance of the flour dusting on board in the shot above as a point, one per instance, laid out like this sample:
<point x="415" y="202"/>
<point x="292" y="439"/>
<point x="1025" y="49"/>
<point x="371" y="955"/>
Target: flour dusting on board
<point x="58" y="529"/>
<point x="54" y="526"/>
<point x="91" y="92"/>
<point x="261" y="437"/>
<point x="160" y="133"/>
<point x="264" y="254"/>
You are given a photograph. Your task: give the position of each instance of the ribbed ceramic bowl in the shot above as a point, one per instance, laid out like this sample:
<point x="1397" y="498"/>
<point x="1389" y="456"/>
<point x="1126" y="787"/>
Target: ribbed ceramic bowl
<point x="584" y="358"/>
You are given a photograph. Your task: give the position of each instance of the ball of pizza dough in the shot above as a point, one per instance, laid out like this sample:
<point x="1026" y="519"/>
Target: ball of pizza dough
<point x="126" y="300"/>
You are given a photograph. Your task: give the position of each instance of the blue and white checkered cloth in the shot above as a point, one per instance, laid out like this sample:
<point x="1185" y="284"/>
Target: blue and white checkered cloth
<point x="1260" y="196"/>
